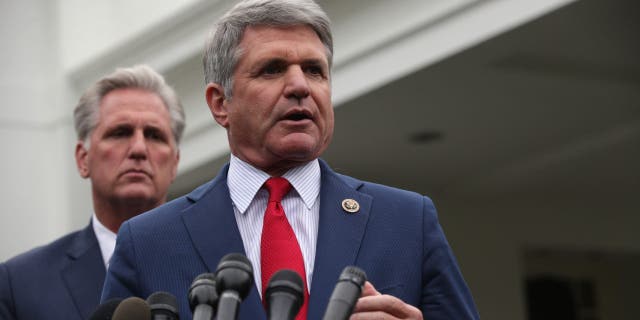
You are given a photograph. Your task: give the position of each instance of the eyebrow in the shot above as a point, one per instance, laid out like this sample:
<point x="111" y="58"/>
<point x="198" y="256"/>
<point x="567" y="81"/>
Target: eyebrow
<point x="118" y="126"/>
<point x="126" y="125"/>
<point x="315" y="61"/>
<point x="280" y="60"/>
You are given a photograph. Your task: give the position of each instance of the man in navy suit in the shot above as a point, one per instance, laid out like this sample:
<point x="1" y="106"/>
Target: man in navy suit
<point x="267" y="69"/>
<point x="128" y="124"/>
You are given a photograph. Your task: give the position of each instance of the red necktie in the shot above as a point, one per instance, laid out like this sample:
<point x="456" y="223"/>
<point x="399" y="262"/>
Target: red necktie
<point x="279" y="247"/>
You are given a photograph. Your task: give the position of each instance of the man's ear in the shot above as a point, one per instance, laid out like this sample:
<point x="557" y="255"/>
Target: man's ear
<point x="82" y="160"/>
<point x="217" y="103"/>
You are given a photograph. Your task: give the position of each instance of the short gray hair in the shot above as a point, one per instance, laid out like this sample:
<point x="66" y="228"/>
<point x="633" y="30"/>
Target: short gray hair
<point x="222" y="52"/>
<point x="85" y="115"/>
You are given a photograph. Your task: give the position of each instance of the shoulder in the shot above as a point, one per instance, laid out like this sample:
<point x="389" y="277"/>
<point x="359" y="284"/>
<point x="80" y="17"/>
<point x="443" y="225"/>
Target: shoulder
<point x="380" y="190"/>
<point x="376" y="190"/>
<point x="172" y="210"/>
<point x="167" y="217"/>
<point x="46" y="253"/>
<point x="40" y="263"/>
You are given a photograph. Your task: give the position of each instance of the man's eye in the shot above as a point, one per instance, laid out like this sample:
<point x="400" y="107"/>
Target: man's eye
<point x="155" y="135"/>
<point x="315" y="70"/>
<point x="271" y="69"/>
<point x="119" y="132"/>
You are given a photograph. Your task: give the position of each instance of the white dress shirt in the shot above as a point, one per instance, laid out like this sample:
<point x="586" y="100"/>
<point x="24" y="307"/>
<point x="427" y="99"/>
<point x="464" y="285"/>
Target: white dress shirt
<point x="106" y="239"/>
<point x="301" y="206"/>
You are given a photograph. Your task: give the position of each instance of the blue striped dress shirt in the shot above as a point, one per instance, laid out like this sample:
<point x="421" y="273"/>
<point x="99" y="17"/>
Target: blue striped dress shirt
<point x="301" y="206"/>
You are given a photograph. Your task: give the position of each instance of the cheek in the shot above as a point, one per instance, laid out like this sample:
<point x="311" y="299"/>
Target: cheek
<point x="106" y="156"/>
<point x="248" y="120"/>
<point x="164" y="158"/>
<point x="260" y="101"/>
<point x="322" y="95"/>
<point x="326" y="109"/>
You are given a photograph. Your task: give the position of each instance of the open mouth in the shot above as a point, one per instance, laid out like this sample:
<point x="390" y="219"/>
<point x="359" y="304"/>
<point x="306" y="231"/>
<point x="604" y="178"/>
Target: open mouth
<point x="298" y="115"/>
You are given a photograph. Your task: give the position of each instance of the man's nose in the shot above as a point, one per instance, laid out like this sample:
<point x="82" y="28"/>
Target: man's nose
<point x="138" y="146"/>
<point x="297" y="84"/>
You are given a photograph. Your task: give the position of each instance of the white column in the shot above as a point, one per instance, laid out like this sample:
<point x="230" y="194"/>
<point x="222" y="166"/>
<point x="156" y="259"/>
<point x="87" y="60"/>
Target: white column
<point x="34" y="128"/>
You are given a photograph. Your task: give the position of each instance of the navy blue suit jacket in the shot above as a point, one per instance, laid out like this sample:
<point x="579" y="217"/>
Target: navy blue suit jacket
<point x="62" y="280"/>
<point x="395" y="237"/>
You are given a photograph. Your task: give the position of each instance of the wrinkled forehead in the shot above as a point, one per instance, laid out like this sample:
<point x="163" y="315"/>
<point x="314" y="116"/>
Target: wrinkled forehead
<point x="134" y="106"/>
<point x="282" y="40"/>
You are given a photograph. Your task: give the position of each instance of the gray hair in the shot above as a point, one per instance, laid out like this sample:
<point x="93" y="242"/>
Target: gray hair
<point x="222" y="52"/>
<point x="85" y="115"/>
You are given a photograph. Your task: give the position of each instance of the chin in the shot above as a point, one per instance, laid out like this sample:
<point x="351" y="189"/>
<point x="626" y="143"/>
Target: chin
<point x="299" y="153"/>
<point x="137" y="195"/>
<point x="299" y="149"/>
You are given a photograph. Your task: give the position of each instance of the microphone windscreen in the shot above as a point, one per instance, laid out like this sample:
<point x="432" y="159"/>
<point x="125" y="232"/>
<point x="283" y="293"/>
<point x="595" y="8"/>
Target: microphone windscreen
<point x="345" y="294"/>
<point x="284" y="295"/>
<point x="163" y="303"/>
<point x="106" y="309"/>
<point x="353" y="274"/>
<point x="132" y="308"/>
<point x="234" y="272"/>
<point x="286" y="281"/>
<point x="203" y="291"/>
<point x="234" y="280"/>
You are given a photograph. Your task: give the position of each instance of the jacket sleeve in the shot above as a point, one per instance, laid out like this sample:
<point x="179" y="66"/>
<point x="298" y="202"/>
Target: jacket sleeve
<point x="445" y="294"/>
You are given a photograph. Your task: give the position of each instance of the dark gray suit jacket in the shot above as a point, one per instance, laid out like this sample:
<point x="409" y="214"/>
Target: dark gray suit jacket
<point x="61" y="280"/>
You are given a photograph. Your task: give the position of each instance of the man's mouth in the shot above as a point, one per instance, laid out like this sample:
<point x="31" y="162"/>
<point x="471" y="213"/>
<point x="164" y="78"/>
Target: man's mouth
<point x="136" y="172"/>
<point x="298" y="115"/>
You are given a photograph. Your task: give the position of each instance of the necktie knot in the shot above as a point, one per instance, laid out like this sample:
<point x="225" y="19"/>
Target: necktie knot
<point x="278" y="187"/>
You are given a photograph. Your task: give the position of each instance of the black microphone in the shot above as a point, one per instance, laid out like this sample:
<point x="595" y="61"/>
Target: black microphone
<point x="132" y="308"/>
<point x="203" y="296"/>
<point x="284" y="295"/>
<point x="106" y="309"/>
<point x="345" y="294"/>
<point x="234" y="278"/>
<point x="163" y="305"/>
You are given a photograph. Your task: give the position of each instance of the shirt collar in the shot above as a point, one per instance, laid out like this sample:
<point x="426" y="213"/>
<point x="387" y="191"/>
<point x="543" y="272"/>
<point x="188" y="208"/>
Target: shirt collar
<point x="106" y="239"/>
<point x="245" y="180"/>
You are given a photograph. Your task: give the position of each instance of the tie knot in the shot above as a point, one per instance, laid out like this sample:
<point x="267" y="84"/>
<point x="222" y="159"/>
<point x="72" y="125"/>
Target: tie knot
<point x="277" y="187"/>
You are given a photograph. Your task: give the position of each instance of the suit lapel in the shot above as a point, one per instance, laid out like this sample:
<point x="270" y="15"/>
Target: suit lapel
<point x="85" y="272"/>
<point x="214" y="232"/>
<point x="211" y="222"/>
<point x="339" y="236"/>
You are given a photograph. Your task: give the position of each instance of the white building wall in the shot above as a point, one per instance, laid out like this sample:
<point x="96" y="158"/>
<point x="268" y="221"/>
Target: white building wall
<point x="33" y="127"/>
<point x="88" y="29"/>
<point x="43" y="42"/>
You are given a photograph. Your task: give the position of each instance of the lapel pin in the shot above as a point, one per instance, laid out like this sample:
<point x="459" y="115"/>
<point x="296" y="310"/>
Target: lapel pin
<point x="350" y="205"/>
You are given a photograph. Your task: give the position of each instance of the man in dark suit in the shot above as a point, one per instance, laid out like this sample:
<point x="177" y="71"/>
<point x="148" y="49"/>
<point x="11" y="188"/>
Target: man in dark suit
<point x="267" y="66"/>
<point x="128" y="124"/>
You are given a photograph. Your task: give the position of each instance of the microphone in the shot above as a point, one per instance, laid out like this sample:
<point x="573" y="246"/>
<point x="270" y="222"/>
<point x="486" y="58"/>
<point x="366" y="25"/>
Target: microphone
<point x="345" y="294"/>
<point x="234" y="278"/>
<point x="105" y="310"/>
<point x="284" y="295"/>
<point x="132" y="308"/>
<point x="203" y="296"/>
<point x="163" y="306"/>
